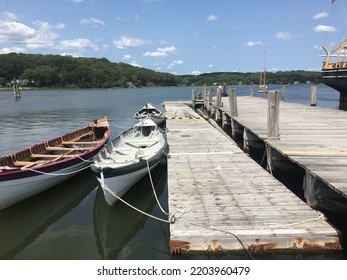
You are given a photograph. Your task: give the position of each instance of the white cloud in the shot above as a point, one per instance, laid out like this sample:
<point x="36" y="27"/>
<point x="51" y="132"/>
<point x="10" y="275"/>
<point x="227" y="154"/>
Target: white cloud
<point x="13" y="49"/>
<point x="210" y="66"/>
<point x="41" y="36"/>
<point x="126" y="42"/>
<point x="287" y="36"/>
<point x="71" y="54"/>
<point x="134" y="63"/>
<point x="126" y="57"/>
<point x="174" y="63"/>
<point x="212" y="18"/>
<point x="160" y="52"/>
<point x="44" y="36"/>
<point x="93" y="22"/>
<point x="253" y="43"/>
<point x="76" y="1"/>
<point x="77" y="44"/>
<point x="324" y="28"/>
<point x="133" y="18"/>
<point x="16" y="32"/>
<point x="320" y="15"/>
<point x="196" y="72"/>
<point x="10" y="16"/>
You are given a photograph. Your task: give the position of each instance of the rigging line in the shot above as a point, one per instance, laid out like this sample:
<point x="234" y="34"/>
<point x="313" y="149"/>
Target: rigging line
<point x="154" y="192"/>
<point x="343" y="11"/>
<point x="105" y="187"/>
<point x="330" y="24"/>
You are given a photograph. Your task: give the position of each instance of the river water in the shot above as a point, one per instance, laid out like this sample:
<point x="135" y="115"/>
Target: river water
<point x="72" y="220"/>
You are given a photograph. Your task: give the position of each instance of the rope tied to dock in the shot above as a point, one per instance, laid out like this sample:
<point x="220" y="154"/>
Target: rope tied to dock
<point x="171" y="220"/>
<point x="153" y="189"/>
<point x="321" y="216"/>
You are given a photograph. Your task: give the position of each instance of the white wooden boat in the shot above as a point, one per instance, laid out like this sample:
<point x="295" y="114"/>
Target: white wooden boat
<point x="150" y="111"/>
<point x="128" y="158"/>
<point x="35" y="169"/>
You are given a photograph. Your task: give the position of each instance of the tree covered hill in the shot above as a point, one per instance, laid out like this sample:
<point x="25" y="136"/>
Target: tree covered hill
<point x="35" y="70"/>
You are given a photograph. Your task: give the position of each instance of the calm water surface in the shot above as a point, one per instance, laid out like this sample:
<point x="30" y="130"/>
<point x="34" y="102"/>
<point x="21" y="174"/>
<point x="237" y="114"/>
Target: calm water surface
<point x="72" y="220"/>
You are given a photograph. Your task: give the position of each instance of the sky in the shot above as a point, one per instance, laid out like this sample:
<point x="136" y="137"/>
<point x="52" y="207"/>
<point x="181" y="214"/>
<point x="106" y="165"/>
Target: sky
<point x="178" y="36"/>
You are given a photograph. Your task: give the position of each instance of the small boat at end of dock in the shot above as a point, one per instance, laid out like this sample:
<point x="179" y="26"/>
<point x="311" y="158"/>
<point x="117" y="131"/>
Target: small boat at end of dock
<point x="152" y="112"/>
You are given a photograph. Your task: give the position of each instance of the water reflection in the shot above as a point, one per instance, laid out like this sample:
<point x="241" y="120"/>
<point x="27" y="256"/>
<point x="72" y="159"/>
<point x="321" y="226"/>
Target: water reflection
<point x="116" y="226"/>
<point x="22" y="223"/>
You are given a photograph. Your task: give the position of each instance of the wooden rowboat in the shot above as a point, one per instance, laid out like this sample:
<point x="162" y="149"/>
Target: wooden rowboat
<point x="128" y="158"/>
<point x="149" y="111"/>
<point x="42" y="166"/>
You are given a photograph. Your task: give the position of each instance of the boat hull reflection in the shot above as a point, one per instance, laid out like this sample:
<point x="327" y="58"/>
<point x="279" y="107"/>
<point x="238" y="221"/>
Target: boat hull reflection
<point x="21" y="224"/>
<point x="116" y="225"/>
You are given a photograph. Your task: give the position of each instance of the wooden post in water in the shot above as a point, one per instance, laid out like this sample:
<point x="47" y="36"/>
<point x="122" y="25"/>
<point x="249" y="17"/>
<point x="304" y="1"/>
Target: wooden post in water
<point x="209" y="99"/>
<point x="210" y="96"/>
<point x="233" y="103"/>
<point x="283" y="92"/>
<point x="251" y="93"/>
<point x="193" y="98"/>
<point x="313" y="95"/>
<point x="219" y="97"/>
<point x="273" y="115"/>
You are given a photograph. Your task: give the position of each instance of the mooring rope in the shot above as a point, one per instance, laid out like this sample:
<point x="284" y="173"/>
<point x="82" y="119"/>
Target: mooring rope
<point x="122" y="127"/>
<point x="321" y="216"/>
<point x="57" y="174"/>
<point x="85" y="160"/>
<point x="153" y="189"/>
<point x="104" y="186"/>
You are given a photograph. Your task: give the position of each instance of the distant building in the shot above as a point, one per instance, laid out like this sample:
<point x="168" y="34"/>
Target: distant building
<point x="130" y="85"/>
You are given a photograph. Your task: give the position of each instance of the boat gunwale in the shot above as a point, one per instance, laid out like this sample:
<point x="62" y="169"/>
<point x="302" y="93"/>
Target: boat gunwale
<point x="48" y="166"/>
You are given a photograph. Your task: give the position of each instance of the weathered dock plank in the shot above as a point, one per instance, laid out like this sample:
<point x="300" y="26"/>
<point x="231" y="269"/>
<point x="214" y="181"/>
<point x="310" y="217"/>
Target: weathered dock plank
<point x="224" y="201"/>
<point x="312" y="137"/>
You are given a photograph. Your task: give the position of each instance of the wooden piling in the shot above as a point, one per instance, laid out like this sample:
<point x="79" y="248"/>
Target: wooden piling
<point x="283" y="92"/>
<point x="233" y="103"/>
<point x="313" y="95"/>
<point x="219" y="97"/>
<point x="273" y="115"/>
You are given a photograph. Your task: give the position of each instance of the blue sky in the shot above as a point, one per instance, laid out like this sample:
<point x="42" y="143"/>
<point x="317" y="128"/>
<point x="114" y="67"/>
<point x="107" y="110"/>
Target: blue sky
<point x="177" y="36"/>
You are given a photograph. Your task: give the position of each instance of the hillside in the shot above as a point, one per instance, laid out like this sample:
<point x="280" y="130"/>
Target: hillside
<point x="35" y="70"/>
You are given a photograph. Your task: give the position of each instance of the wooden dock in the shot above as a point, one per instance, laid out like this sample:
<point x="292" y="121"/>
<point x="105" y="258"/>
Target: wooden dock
<point x="223" y="201"/>
<point x="313" y="139"/>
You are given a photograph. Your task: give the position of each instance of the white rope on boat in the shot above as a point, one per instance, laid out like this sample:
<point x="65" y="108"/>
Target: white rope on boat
<point x="122" y="127"/>
<point x="57" y="174"/>
<point x="85" y="160"/>
<point x="104" y="186"/>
